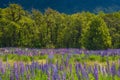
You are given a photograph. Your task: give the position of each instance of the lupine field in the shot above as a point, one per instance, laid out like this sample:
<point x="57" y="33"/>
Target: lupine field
<point x="59" y="64"/>
<point x="59" y="40"/>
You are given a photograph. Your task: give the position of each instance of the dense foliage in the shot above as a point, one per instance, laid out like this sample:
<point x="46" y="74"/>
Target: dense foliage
<point x="20" y="28"/>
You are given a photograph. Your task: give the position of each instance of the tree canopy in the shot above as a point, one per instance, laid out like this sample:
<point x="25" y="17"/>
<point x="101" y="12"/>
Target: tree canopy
<point x="51" y="29"/>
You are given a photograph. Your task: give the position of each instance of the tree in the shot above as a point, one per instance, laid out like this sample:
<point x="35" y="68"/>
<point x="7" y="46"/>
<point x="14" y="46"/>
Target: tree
<point x="51" y="27"/>
<point x="14" y="12"/>
<point x="40" y="25"/>
<point x="81" y="24"/>
<point x="27" y="32"/>
<point x="113" y="23"/>
<point x="98" y="36"/>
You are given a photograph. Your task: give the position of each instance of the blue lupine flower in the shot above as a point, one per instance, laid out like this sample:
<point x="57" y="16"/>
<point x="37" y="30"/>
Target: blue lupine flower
<point x="22" y="69"/>
<point x="64" y="76"/>
<point x="96" y="72"/>
<point x="77" y="71"/>
<point x="113" y="70"/>
<point x="48" y="73"/>
<point x="55" y="72"/>
<point x="83" y="72"/>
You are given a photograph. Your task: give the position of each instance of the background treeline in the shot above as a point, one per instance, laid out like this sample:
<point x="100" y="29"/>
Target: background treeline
<point x="51" y="29"/>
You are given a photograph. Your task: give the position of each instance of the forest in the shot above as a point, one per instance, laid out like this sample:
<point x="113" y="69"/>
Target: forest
<point x="52" y="29"/>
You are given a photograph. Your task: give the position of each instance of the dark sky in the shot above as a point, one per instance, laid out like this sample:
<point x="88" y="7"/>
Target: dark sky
<point x="67" y="6"/>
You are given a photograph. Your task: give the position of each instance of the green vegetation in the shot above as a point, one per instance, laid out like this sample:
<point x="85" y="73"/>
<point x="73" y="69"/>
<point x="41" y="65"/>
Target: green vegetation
<point x="24" y="58"/>
<point x="81" y="58"/>
<point x="20" y="28"/>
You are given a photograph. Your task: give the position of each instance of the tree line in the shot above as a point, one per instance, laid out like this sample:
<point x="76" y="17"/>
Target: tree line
<point x="51" y="29"/>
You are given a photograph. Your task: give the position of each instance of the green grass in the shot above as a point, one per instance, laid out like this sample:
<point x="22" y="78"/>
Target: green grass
<point x="74" y="58"/>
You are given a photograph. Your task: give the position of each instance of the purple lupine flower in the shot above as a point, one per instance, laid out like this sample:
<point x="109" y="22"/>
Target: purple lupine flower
<point x="15" y="66"/>
<point x="59" y="77"/>
<point x="22" y="69"/>
<point x="77" y="71"/>
<point x="32" y="69"/>
<point x="83" y="72"/>
<point x="16" y="71"/>
<point x="28" y="77"/>
<point x="1" y="64"/>
<point x="55" y="72"/>
<point x="85" y="66"/>
<point x="70" y="68"/>
<point x="96" y="72"/>
<point x="113" y="70"/>
<point x="11" y="74"/>
<point x="47" y="68"/>
<point x="89" y="69"/>
<point x="48" y="73"/>
<point x="37" y="65"/>
<point x="61" y="67"/>
<point x="64" y="76"/>
<point x="66" y="62"/>
<point x="11" y="77"/>
<point x="118" y="71"/>
<point x="27" y="68"/>
<point x="3" y="70"/>
<point x="51" y="55"/>
<point x="57" y="65"/>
